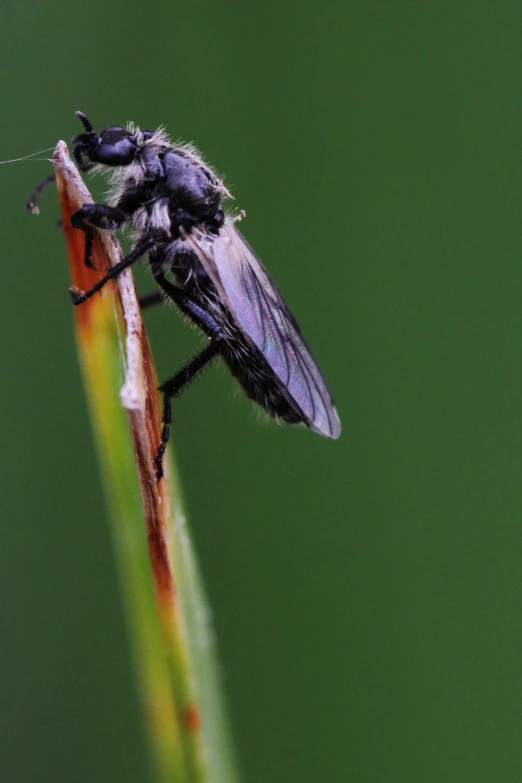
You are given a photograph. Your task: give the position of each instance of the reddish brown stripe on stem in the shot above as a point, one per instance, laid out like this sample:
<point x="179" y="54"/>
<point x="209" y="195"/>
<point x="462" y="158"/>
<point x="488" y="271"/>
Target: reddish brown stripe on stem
<point x="82" y="277"/>
<point x="191" y="716"/>
<point x="118" y="317"/>
<point x="153" y="508"/>
<point x="142" y="403"/>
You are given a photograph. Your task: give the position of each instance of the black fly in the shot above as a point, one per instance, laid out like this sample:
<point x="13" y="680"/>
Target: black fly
<point x="172" y="201"/>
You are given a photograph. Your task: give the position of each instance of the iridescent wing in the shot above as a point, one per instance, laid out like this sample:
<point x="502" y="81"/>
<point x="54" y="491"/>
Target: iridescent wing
<point x="258" y="308"/>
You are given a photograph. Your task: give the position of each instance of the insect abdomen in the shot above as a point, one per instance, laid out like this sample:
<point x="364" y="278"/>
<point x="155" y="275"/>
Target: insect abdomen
<point x="248" y="365"/>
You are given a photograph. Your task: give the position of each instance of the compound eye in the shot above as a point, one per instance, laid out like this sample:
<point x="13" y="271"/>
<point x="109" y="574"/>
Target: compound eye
<point x="117" y="147"/>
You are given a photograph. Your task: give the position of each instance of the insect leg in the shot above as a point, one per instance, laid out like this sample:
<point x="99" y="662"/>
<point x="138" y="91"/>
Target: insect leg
<point x="78" y="297"/>
<point x="31" y="203"/>
<point x="92" y="216"/>
<point x="190" y="307"/>
<point x="172" y="387"/>
<point x="148" y="300"/>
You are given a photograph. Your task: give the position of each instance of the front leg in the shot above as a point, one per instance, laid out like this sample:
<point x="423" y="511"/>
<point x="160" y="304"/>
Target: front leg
<point x="79" y="297"/>
<point x="92" y="216"/>
<point x="31" y="203"/>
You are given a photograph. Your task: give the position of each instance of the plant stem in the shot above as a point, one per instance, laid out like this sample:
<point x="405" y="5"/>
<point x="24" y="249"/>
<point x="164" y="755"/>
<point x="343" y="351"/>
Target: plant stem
<point x="166" y="610"/>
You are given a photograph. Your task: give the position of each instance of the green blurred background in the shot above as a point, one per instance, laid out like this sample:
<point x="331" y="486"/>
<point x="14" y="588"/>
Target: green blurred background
<point x="366" y="593"/>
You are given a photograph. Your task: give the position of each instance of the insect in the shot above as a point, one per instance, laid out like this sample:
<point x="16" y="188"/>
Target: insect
<point x="173" y="202"/>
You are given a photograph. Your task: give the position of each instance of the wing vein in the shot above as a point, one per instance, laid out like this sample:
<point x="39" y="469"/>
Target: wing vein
<point x="275" y="327"/>
<point x="260" y="312"/>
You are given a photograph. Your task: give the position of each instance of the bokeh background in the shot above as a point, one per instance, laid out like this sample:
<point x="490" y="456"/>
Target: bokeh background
<point x="366" y="593"/>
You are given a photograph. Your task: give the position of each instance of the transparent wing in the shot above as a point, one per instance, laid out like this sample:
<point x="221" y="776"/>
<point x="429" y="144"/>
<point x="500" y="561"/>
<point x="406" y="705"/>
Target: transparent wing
<point x="259" y="309"/>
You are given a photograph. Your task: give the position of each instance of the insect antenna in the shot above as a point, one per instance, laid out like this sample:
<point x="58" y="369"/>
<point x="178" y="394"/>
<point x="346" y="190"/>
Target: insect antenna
<point x="86" y="123"/>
